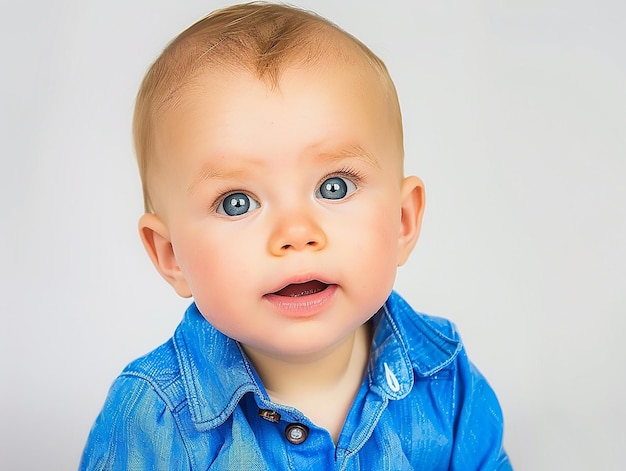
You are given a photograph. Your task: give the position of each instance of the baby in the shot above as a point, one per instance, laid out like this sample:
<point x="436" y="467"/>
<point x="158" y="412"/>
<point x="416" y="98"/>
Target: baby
<point x="270" y="148"/>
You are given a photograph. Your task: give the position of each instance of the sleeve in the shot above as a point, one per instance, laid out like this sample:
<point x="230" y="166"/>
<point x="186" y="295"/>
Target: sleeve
<point x="479" y="423"/>
<point x="135" y="430"/>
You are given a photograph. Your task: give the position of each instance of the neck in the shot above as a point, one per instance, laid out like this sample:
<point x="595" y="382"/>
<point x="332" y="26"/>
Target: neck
<point x="314" y="372"/>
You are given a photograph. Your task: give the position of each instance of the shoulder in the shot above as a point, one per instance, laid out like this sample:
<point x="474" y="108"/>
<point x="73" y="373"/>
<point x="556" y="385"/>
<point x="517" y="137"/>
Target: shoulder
<point x="159" y="371"/>
<point x="149" y="383"/>
<point x="140" y="411"/>
<point x="435" y="349"/>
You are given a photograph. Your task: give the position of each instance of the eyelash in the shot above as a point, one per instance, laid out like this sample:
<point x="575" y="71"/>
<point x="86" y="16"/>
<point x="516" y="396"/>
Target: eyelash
<point x="346" y="172"/>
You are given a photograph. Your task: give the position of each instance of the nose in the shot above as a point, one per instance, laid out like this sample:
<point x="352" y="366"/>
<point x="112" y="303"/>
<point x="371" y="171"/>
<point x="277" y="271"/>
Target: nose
<point x="296" y="232"/>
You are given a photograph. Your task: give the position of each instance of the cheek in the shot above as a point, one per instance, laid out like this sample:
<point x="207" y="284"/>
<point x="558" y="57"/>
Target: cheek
<point x="215" y="263"/>
<point x="370" y="259"/>
<point x="383" y="220"/>
<point x="372" y="236"/>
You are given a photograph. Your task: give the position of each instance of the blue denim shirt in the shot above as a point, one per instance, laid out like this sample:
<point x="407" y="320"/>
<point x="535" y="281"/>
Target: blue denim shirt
<point x="196" y="403"/>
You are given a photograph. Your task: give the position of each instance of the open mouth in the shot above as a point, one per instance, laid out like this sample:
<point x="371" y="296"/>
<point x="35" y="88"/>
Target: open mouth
<point x="297" y="290"/>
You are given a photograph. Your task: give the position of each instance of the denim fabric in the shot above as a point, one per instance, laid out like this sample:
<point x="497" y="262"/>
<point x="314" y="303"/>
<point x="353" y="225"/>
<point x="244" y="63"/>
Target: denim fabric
<point x="194" y="402"/>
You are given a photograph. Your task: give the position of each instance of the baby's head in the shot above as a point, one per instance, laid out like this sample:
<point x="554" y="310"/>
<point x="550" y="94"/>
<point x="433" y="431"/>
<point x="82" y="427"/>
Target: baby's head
<point x="270" y="149"/>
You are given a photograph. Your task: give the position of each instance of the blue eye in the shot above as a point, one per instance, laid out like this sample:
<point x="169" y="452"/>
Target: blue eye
<point x="236" y="204"/>
<point x="335" y="188"/>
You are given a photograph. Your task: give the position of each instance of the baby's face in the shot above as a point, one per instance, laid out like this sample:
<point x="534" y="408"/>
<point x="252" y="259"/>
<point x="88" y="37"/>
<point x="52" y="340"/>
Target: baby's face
<point x="284" y="208"/>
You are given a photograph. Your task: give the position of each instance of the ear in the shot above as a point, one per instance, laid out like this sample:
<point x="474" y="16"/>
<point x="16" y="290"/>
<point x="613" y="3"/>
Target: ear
<point x="412" y="210"/>
<point x="156" y="240"/>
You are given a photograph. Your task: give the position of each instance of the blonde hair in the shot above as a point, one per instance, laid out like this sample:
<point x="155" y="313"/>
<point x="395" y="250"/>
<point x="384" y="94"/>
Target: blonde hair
<point x="263" y="38"/>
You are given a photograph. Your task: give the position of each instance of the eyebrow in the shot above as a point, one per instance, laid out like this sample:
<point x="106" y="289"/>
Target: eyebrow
<point x="210" y="172"/>
<point x="352" y="151"/>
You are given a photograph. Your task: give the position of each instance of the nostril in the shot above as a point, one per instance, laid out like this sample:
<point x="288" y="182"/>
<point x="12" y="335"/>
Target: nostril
<point x="311" y="243"/>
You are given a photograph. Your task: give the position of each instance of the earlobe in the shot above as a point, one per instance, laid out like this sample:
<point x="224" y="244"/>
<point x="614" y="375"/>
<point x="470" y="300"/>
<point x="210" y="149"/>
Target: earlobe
<point x="412" y="210"/>
<point x="156" y="240"/>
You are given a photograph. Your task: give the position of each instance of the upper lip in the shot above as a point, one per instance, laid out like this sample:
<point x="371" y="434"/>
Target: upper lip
<point x="299" y="280"/>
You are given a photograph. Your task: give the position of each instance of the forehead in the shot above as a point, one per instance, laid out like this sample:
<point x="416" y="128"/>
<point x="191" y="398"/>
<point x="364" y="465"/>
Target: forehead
<point x="232" y="106"/>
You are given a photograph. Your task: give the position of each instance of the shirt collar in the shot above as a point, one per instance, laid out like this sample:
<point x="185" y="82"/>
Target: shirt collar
<point x="431" y="343"/>
<point x="216" y="374"/>
<point x="214" y="371"/>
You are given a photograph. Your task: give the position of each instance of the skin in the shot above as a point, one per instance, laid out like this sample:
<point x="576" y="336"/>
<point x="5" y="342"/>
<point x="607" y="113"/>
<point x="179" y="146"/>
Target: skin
<point x="248" y="274"/>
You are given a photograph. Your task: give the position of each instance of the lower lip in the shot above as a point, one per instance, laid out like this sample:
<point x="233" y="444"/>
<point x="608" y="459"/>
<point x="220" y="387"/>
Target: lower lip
<point x="302" y="306"/>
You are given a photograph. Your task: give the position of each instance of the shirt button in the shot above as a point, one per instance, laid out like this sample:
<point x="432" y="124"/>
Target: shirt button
<point x="269" y="415"/>
<point x="296" y="433"/>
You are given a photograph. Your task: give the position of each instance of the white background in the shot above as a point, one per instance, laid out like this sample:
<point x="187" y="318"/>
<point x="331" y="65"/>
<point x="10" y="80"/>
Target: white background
<point x="515" y="118"/>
